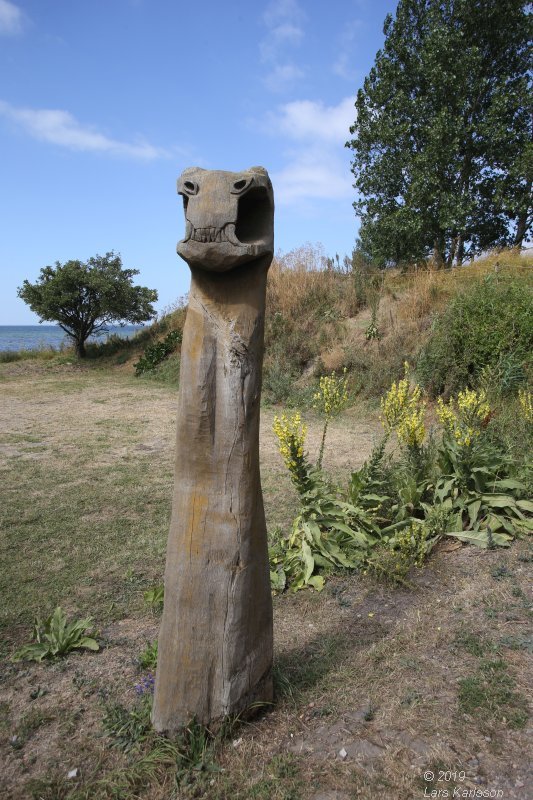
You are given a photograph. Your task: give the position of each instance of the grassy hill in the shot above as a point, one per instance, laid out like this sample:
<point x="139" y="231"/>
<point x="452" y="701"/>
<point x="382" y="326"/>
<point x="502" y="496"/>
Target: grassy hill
<point x="321" y="320"/>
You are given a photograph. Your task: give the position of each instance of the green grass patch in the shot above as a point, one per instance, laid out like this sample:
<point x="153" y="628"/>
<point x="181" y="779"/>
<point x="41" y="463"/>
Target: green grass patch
<point x="41" y="354"/>
<point x="88" y="508"/>
<point x="490" y="695"/>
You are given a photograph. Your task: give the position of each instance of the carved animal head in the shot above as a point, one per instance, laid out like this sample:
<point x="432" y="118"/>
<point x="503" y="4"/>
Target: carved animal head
<point x="229" y="217"/>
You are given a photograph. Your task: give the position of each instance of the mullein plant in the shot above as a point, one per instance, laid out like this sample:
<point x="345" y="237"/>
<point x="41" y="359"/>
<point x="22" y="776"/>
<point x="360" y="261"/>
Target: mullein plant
<point x="407" y="506"/>
<point x="291" y="433"/>
<point x="403" y="412"/>
<point x="328" y="533"/>
<point x="330" y="400"/>
<point x="488" y="506"/>
<point x="463" y="419"/>
<point x="526" y="404"/>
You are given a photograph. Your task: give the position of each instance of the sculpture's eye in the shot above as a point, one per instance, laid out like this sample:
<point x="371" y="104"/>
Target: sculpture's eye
<point x="240" y="185"/>
<point x="191" y="187"/>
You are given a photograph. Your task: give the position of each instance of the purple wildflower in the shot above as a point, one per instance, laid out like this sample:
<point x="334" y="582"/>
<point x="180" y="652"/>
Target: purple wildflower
<point x="146" y="685"/>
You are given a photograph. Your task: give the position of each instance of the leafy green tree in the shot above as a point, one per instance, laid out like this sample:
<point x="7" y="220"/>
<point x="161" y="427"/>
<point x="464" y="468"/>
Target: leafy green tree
<point x="85" y="297"/>
<point x="442" y="147"/>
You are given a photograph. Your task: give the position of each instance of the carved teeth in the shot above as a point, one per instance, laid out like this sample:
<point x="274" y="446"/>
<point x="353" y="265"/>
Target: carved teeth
<point x="230" y="233"/>
<point x="205" y="235"/>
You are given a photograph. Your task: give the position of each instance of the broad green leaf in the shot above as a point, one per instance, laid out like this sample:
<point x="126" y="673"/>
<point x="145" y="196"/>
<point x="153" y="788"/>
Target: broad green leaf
<point x="509" y="483"/>
<point x="473" y="511"/>
<point x="499" y="500"/>
<point x="309" y="562"/>
<point x="480" y="538"/>
<point x="31" y="652"/>
<point x="89" y="644"/>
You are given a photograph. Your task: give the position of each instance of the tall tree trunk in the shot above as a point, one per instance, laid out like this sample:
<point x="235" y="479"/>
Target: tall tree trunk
<point x="460" y="249"/>
<point x="453" y="250"/>
<point x="80" y="348"/>
<point x="438" y="252"/>
<point x="520" y="229"/>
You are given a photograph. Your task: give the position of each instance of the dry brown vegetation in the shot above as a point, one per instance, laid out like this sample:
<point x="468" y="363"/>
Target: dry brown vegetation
<point x="318" y="319"/>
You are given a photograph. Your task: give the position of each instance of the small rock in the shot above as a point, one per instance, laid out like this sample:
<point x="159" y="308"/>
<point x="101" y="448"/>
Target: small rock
<point x="519" y="784"/>
<point x="343" y="754"/>
<point x="73" y="773"/>
<point x="237" y="742"/>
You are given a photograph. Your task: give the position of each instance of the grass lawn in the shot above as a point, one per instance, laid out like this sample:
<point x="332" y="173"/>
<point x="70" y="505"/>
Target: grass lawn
<point x="376" y="686"/>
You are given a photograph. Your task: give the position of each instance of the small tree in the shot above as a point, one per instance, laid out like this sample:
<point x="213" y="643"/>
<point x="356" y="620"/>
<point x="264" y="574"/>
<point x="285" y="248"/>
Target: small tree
<point x="84" y="298"/>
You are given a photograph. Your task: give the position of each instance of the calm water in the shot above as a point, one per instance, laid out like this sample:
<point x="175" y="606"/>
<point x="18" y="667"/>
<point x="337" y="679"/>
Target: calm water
<point x="33" y="337"/>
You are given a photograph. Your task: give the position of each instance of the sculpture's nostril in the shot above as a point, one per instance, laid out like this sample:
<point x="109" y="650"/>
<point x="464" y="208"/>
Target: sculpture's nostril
<point x="190" y="187"/>
<point x="238" y="185"/>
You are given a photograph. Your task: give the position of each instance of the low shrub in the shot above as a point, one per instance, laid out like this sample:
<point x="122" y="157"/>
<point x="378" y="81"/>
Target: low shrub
<point x="488" y="327"/>
<point x="43" y="354"/>
<point x="158" y="352"/>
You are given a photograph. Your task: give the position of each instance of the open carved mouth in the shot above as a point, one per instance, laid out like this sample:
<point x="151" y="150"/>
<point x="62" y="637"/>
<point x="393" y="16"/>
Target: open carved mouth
<point x="225" y="234"/>
<point x="253" y="225"/>
<point x="254" y="216"/>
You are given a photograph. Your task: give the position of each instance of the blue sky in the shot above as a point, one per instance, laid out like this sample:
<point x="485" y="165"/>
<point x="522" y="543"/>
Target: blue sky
<point x="104" y="103"/>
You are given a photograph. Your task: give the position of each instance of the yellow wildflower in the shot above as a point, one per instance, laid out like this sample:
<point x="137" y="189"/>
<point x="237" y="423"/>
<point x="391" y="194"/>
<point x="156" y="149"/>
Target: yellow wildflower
<point x="446" y="414"/>
<point x="291" y="433"/>
<point x="463" y="418"/>
<point x="473" y="405"/>
<point x="526" y="404"/>
<point x="332" y="395"/>
<point x="403" y="411"/>
<point x="411" y="430"/>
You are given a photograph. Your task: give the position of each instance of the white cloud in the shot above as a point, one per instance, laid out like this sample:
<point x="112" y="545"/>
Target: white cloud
<point x="61" y="128"/>
<point x="279" y="11"/>
<point x="319" y="167"/>
<point x="282" y="77"/>
<point x="11" y="18"/>
<point x="309" y="120"/>
<point x="277" y="38"/>
<point x="314" y="173"/>
<point x="283" y="21"/>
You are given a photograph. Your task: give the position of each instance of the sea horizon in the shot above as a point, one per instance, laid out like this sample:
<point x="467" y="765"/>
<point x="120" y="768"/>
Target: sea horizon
<point x="51" y="337"/>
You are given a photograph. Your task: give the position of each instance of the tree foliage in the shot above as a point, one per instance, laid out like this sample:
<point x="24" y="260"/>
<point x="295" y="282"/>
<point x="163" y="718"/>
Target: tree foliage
<point x="85" y="297"/>
<point x="442" y="147"/>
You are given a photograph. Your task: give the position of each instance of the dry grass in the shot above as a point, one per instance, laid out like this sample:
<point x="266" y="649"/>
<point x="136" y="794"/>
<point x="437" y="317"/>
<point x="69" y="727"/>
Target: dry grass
<point x="317" y="319"/>
<point x="375" y="672"/>
<point x="298" y="283"/>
